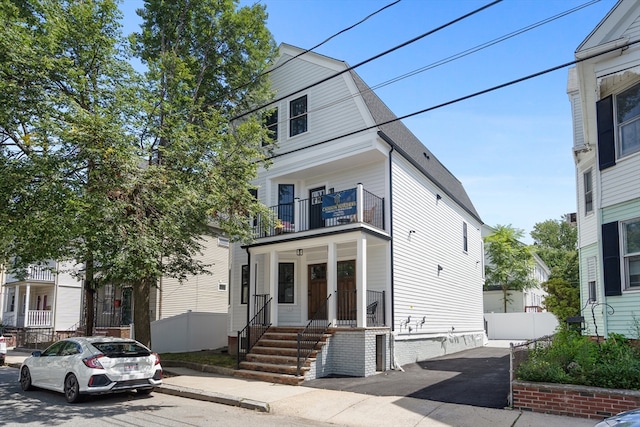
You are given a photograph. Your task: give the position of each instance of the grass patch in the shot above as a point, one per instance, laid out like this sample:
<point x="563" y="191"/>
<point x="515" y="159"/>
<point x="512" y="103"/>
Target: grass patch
<point x="204" y="357"/>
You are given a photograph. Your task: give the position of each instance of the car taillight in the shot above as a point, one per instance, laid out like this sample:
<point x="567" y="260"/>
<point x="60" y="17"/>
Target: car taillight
<point x="93" y="362"/>
<point x="157" y="356"/>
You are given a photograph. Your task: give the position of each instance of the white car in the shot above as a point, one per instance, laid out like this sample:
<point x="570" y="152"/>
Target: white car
<point x="92" y="365"/>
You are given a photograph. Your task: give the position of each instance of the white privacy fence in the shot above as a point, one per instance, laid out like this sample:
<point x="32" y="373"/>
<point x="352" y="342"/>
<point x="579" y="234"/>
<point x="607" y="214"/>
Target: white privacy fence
<point x="189" y="332"/>
<point x="519" y="326"/>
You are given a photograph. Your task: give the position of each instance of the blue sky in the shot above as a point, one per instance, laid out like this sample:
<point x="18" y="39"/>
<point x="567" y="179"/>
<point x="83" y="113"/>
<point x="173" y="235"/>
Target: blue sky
<point x="510" y="148"/>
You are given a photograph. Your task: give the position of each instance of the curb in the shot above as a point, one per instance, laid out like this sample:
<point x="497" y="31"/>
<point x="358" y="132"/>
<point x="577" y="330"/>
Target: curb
<point x="207" y="396"/>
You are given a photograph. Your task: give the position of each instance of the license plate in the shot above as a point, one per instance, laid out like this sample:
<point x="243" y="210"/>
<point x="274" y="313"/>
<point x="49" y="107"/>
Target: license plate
<point x="130" y="367"/>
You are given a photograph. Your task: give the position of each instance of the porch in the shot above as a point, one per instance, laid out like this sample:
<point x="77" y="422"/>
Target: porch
<point x="29" y="297"/>
<point x="322" y="211"/>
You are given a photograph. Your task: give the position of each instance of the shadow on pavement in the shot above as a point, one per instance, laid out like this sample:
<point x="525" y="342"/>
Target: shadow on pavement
<point x="477" y="377"/>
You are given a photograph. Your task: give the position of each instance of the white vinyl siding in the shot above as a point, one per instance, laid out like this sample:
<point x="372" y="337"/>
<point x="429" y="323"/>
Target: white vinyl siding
<point x="67" y="307"/>
<point x="617" y="181"/>
<point x="198" y="293"/>
<point x="343" y="116"/>
<point x="452" y="298"/>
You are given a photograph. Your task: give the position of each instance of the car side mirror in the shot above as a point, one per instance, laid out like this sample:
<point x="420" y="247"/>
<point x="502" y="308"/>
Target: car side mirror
<point x="36" y="353"/>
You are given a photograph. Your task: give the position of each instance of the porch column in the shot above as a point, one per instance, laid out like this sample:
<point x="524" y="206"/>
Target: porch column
<point x="251" y="297"/>
<point x="360" y="202"/>
<point x="26" y="305"/>
<point x="332" y="282"/>
<point x="361" y="280"/>
<point x="273" y="286"/>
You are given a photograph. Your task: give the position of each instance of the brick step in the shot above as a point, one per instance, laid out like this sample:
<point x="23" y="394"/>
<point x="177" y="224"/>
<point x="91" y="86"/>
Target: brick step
<point x="272" y="358"/>
<point x="275" y="369"/>
<point x="270" y="377"/>
<point x="265" y="342"/>
<point x="279" y="351"/>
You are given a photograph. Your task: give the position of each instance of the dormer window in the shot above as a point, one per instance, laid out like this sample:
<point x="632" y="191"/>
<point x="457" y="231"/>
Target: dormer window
<point x="298" y="116"/>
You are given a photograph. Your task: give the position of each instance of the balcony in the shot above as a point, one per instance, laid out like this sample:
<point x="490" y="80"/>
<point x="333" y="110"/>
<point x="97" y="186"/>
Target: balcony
<point x="354" y="205"/>
<point x="34" y="273"/>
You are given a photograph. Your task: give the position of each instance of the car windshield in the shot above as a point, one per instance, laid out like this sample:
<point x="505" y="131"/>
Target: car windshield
<point x="121" y="349"/>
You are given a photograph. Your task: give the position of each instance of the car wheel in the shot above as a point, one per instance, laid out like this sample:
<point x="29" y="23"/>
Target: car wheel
<point x="144" y="391"/>
<point x="25" y="379"/>
<point x="71" y="389"/>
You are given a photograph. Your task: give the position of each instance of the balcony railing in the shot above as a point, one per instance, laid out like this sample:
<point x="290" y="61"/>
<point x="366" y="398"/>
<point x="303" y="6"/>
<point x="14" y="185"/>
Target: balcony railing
<point x="347" y="206"/>
<point x="38" y="319"/>
<point x="41" y="273"/>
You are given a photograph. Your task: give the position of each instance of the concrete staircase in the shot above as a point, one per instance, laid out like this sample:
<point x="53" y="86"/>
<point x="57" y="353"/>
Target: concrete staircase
<point x="274" y="357"/>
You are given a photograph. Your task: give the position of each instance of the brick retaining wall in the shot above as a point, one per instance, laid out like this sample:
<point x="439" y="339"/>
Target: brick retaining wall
<point x="572" y="400"/>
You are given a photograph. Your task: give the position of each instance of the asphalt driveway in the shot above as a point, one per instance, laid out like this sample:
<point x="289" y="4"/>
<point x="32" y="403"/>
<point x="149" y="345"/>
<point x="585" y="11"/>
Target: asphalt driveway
<point x="477" y="377"/>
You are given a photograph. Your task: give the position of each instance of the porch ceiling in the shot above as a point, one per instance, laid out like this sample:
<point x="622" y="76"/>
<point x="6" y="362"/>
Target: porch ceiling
<point x="337" y="165"/>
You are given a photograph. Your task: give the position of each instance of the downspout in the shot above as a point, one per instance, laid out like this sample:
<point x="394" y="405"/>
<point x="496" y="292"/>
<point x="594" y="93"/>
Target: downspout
<point x="392" y="352"/>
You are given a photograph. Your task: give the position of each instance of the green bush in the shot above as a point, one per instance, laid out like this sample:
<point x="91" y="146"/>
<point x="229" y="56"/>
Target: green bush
<point x="574" y="359"/>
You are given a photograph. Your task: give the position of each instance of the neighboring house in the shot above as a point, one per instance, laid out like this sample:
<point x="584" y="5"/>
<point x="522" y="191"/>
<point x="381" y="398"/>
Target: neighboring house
<point x="524" y="301"/>
<point x="50" y="300"/>
<point x="604" y="91"/>
<point x="375" y="238"/>
<point x="45" y="301"/>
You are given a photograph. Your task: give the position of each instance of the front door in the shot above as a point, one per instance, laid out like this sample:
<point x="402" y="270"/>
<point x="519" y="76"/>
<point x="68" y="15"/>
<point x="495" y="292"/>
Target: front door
<point x="347" y="304"/>
<point x="317" y="292"/>
<point x="315" y="208"/>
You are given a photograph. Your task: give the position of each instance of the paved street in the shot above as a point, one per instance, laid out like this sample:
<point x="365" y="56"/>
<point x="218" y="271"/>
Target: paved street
<point x="41" y="407"/>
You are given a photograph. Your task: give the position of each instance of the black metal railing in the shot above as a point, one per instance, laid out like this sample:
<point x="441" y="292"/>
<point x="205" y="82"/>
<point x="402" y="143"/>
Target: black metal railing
<point x="312" y="333"/>
<point x="346" y="307"/>
<point x="301" y="216"/>
<point x="255" y="329"/>
<point x="376" y="308"/>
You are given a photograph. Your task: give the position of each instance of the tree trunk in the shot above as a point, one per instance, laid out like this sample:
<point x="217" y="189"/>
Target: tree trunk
<point x="141" y="317"/>
<point x="89" y="297"/>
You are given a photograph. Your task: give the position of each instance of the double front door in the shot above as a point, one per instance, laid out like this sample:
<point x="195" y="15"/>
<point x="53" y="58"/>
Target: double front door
<point x="346" y="295"/>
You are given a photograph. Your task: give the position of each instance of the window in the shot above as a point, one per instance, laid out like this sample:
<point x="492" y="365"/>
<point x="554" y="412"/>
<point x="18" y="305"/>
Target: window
<point x="244" y="285"/>
<point x="628" y="120"/>
<point x="591" y="279"/>
<point x="272" y="126"/>
<point x="298" y="116"/>
<point x="285" y="283"/>
<point x="631" y="247"/>
<point x="588" y="192"/>
<point x="285" y="204"/>
<point x="464" y="237"/>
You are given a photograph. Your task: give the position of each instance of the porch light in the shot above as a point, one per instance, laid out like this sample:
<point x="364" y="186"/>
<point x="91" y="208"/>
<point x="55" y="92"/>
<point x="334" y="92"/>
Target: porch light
<point x="299" y="252"/>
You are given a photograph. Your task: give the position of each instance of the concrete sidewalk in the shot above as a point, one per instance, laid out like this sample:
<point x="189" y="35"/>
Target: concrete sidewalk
<point x="339" y="407"/>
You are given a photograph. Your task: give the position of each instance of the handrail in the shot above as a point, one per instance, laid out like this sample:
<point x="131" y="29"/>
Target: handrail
<point x="258" y="324"/>
<point x="312" y="334"/>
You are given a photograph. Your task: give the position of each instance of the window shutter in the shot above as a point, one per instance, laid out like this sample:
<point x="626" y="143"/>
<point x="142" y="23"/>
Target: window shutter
<point x="611" y="259"/>
<point x="606" y="134"/>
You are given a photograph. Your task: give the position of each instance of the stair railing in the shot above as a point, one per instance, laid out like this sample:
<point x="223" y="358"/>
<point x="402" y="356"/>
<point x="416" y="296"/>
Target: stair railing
<point x="312" y="334"/>
<point x="255" y="329"/>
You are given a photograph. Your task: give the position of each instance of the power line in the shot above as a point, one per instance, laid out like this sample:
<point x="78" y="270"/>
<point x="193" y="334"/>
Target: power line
<point x="464" y="98"/>
<point x="455" y="56"/>
<point x="366" y="61"/>
<point x="319" y="44"/>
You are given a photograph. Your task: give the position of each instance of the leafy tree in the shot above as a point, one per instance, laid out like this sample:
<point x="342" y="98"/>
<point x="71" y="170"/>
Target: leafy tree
<point x="119" y="173"/>
<point x="555" y="241"/>
<point x="510" y="262"/>
<point x="65" y="101"/>
<point x="563" y="299"/>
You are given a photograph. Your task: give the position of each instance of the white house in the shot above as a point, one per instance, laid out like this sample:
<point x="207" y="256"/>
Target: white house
<point x="527" y="300"/>
<point x="376" y="241"/>
<point x="604" y="91"/>
<point x="48" y="302"/>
